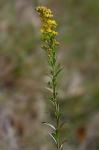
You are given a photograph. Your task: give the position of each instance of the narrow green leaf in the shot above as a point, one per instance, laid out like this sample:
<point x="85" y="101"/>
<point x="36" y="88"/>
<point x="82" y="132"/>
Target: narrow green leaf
<point x="49" y="125"/>
<point x="49" y="89"/>
<point x="53" y="138"/>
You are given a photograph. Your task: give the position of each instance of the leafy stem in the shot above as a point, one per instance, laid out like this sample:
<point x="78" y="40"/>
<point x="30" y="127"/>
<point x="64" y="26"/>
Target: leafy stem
<point x="54" y="73"/>
<point x="49" y="43"/>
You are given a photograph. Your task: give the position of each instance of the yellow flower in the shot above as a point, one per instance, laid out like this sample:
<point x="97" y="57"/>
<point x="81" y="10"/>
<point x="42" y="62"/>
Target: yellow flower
<point x="44" y="12"/>
<point x="56" y="42"/>
<point x="52" y="23"/>
<point x="48" y="23"/>
<point x="48" y="29"/>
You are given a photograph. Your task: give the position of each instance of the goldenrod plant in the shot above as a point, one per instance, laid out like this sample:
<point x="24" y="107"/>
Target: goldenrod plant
<point x="49" y="44"/>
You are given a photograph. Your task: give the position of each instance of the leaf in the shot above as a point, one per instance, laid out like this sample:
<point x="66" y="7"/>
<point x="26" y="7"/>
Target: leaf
<point x="52" y="100"/>
<point x="49" y="125"/>
<point x="52" y="136"/>
<point x="61" y="147"/>
<point x="62" y="124"/>
<point x="58" y="71"/>
<point x="49" y="89"/>
<point x="56" y="135"/>
<point x="58" y="113"/>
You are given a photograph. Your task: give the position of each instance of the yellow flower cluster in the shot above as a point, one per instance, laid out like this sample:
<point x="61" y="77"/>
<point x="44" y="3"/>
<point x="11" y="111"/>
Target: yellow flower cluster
<point x="48" y="23"/>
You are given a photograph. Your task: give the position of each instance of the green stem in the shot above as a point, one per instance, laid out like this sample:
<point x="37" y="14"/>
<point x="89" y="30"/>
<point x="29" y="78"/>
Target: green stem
<point x="57" y="110"/>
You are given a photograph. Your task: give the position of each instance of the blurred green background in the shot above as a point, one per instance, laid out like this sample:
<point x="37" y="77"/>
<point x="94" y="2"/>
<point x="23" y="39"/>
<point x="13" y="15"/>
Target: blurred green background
<point x="24" y="73"/>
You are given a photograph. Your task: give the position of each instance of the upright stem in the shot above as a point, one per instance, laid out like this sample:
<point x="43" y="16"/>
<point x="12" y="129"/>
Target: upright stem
<point x="56" y="103"/>
<point x="49" y="34"/>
